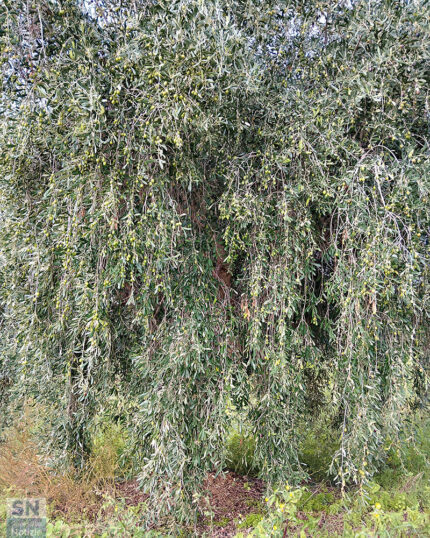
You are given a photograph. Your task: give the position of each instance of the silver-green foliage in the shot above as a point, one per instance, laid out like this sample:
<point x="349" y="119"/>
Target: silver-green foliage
<point x="205" y="202"/>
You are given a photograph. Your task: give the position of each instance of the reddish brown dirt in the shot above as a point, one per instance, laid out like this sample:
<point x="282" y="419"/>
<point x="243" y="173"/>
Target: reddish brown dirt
<point x="231" y="497"/>
<point x="130" y="492"/>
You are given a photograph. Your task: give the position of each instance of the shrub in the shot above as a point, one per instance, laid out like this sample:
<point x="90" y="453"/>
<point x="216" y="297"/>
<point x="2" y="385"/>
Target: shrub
<point x="318" y="448"/>
<point x="108" y="459"/>
<point x="240" y="450"/>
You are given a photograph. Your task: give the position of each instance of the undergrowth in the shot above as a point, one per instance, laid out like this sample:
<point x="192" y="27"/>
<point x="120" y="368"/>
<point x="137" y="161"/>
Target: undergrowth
<point x="396" y="502"/>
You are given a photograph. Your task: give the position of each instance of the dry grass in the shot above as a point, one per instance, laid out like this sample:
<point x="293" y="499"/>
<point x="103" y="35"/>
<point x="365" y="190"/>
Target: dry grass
<point x="411" y="483"/>
<point x="25" y="471"/>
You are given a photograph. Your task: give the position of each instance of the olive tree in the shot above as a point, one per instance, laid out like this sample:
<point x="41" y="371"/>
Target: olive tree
<point x="216" y="204"/>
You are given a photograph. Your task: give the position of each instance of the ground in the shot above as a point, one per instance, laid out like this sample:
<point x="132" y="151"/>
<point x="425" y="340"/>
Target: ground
<point x="232" y="497"/>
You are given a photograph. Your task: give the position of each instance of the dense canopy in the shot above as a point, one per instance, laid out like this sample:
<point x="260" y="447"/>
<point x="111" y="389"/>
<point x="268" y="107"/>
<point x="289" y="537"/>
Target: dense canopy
<point x="210" y="210"/>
